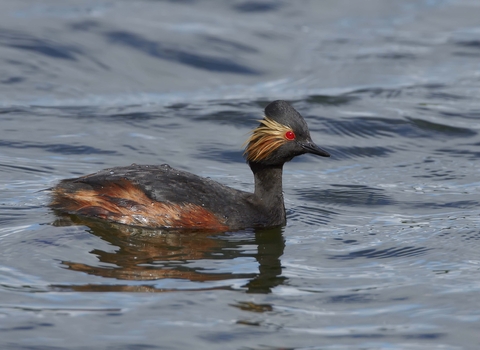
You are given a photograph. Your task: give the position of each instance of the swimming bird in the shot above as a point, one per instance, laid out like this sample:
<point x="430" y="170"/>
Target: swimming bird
<point x="159" y="196"/>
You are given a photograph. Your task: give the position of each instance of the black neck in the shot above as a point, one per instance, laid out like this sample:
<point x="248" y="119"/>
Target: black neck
<point x="268" y="188"/>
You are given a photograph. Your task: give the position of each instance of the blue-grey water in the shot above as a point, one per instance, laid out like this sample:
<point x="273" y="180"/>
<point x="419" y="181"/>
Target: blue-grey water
<point x="382" y="245"/>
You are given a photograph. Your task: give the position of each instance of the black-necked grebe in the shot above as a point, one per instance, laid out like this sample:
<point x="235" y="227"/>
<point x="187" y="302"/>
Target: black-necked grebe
<point x="158" y="196"/>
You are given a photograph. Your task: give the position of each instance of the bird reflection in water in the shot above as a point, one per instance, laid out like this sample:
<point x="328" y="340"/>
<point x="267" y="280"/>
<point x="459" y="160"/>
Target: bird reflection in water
<point x="149" y="255"/>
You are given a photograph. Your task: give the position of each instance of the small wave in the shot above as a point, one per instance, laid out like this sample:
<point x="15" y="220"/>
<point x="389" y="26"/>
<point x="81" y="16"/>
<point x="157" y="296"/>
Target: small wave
<point x="344" y="152"/>
<point x="310" y="216"/>
<point x="331" y="100"/>
<point x="437" y="128"/>
<point x="171" y="52"/>
<point x="365" y="127"/>
<point x="373" y="253"/>
<point x="347" y="195"/>
<point x="59" y="148"/>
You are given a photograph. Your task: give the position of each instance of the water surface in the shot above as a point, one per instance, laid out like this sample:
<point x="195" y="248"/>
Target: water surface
<point x="382" y="241"/>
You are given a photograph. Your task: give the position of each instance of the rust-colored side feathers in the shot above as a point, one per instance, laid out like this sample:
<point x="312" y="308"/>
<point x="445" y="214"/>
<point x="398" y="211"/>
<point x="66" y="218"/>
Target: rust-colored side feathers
<point x="123" y="202"/>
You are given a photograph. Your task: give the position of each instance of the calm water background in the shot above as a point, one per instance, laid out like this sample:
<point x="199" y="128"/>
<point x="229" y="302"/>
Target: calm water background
<point x="381" y="250"/>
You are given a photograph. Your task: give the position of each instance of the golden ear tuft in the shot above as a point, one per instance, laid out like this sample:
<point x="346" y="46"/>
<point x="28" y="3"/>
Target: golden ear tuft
<point x="265" y="139"/>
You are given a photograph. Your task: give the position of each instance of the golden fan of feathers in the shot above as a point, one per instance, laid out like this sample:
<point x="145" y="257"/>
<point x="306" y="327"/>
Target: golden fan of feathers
<point x="265" y="139"/>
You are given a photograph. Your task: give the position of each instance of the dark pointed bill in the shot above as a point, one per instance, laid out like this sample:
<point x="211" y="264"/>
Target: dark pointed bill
<point x="310" y="147"/>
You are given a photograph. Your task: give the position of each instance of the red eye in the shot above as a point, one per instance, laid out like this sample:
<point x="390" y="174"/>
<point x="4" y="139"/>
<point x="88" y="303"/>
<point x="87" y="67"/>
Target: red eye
<point x="289" y="135"/>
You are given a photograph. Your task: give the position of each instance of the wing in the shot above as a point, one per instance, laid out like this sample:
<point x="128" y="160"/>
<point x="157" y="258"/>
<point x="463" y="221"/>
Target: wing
<point x="154" y="196"/>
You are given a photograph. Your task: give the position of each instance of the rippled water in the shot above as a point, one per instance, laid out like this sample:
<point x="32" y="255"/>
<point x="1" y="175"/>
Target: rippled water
<point x="381" y="250"/>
